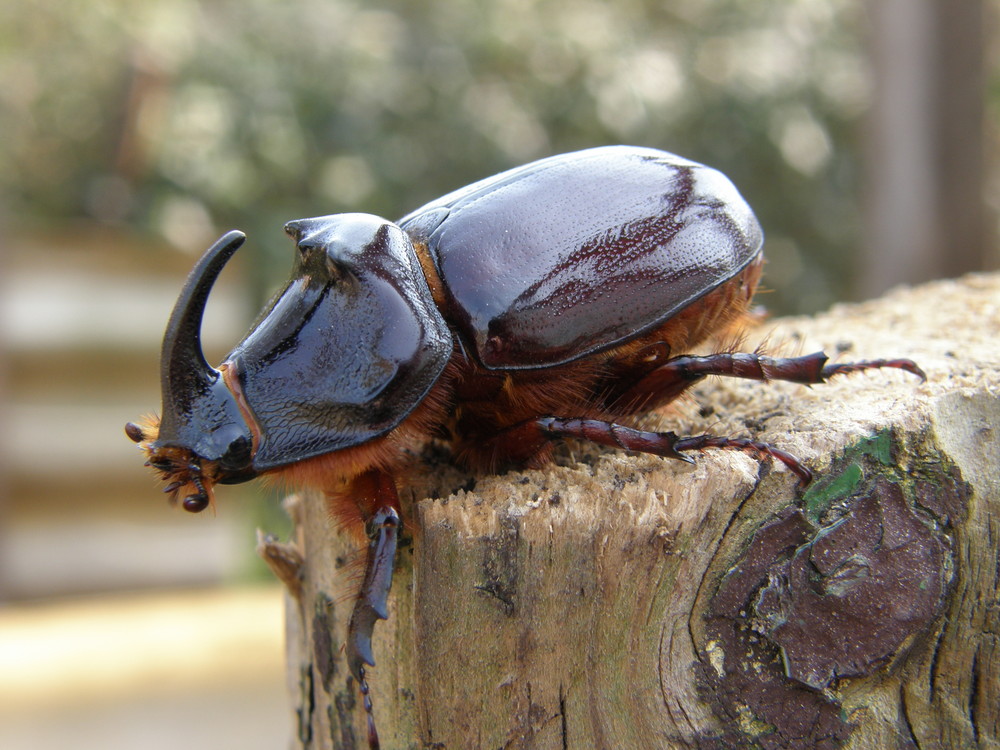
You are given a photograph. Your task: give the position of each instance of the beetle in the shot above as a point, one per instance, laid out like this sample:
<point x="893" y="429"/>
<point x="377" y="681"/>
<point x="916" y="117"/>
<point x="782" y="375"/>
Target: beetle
<point x="554" y="300"/>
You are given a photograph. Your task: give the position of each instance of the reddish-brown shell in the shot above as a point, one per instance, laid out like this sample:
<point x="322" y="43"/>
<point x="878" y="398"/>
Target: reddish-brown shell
<point x="574" y="254"/>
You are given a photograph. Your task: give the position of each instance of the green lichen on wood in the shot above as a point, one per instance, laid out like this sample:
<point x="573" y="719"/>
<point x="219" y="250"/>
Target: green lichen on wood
<point x="857" y="463"/>
<point x="929" y="479"/>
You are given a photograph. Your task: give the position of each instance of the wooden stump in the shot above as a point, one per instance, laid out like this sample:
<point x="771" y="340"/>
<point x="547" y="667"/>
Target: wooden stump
<point x="624" y="601"/>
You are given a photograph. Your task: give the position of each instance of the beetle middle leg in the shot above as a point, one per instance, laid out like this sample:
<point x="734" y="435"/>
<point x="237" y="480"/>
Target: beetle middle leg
<point x="676" y="375"/>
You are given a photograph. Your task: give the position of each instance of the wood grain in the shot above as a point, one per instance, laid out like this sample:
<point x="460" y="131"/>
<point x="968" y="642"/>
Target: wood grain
<point x="624" y="601"/>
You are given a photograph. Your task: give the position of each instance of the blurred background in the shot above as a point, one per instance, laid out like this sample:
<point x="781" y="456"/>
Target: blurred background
<point x="863" y="132"/>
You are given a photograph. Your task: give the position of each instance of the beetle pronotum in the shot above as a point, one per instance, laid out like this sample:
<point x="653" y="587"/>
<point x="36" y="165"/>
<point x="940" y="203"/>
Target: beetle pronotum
<point x="545" y="302"/>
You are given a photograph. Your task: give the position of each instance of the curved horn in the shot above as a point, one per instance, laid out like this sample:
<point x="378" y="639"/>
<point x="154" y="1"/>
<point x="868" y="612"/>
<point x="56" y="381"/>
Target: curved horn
<point x="184" y="373"/>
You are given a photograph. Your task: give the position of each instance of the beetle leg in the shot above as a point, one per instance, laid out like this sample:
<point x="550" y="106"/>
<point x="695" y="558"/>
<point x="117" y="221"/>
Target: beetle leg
<point x="676" y="375"/>
<point x="846" y="368"/>
<point x="372" y="605"/>
<point x="666" y="444"/>
<point x="383" y="527"/>
<point x="754" y="448"/>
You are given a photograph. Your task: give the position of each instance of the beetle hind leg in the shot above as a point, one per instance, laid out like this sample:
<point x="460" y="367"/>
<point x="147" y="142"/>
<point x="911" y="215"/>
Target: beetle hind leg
<point x="676" y="375"/>
<point x="760" y="451"/>
<point x="666" y="444"/>
<point x="846" y="368"/>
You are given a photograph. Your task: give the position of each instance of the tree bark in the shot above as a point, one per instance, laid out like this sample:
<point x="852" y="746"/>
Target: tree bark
<point x="627" y="601"/>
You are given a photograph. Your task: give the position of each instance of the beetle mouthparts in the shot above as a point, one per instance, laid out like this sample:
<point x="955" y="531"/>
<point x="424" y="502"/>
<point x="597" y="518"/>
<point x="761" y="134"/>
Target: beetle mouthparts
<point x="134" y="432"/>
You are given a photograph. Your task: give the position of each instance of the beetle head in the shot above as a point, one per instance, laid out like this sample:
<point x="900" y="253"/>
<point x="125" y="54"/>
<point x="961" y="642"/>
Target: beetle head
<point x="343" y="353"/>
<point x="202" y="437"/>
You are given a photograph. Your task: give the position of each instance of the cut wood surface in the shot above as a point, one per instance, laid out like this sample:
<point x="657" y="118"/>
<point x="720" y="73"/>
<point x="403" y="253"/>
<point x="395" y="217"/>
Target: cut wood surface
<point x="626" y="601"/>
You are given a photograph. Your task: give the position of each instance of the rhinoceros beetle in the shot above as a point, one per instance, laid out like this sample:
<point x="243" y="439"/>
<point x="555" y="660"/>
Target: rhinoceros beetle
<point x="550" y="301"/>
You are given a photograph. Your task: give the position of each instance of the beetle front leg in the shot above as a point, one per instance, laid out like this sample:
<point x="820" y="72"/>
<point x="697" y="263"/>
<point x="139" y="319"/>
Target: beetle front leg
<point x="372" y="601"/>
<point x="676" y="375"/>
<point x="383" y="527"/>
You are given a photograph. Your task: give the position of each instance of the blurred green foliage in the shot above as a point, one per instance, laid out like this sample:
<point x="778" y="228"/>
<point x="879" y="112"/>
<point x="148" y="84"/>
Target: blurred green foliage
<point x="181" y="118"/>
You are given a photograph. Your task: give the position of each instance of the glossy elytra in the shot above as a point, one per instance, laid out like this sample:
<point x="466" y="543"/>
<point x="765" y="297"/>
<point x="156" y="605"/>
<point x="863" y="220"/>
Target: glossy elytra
<point x="554" y="300"/>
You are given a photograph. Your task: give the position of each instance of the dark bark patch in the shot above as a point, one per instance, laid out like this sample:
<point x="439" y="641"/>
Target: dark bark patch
<point x="839" y="588"/>
<point x="741" y="674"/>
<point x="947" y="500"/>
<point x="324" y="648"/>
<point x="306" y="706"/>
<point x="500" y="565"/>
<point x="846" y="602"/>
<point x="339" y="713"/>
